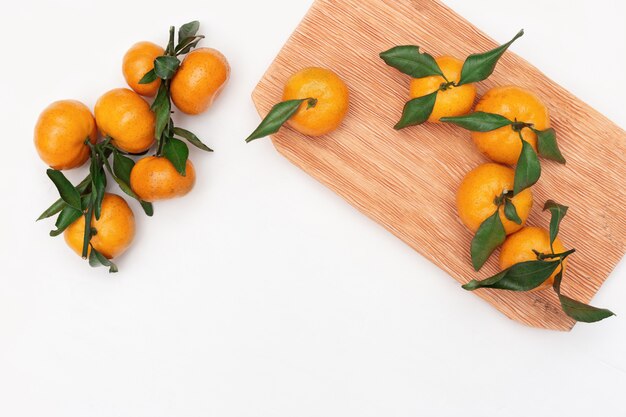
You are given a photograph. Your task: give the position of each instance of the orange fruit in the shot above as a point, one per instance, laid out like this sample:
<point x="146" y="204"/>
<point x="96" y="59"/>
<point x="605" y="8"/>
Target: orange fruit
<point x="61" y="131"/>
<point x="504" y="145"/>
<point x="115" y="229"/>
<point x="478" y="191"/>
<point x="199" y="80"/>
<point x="455" y="101"/>
<point x="332" y="100"/>
<point x="126" y="117"/>
<point x="519" y="248"/>
<point x="137" y="62"/>
<point x="155" y="178"/>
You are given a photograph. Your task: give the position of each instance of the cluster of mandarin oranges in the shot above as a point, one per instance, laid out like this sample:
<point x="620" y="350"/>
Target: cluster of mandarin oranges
<point x="100" y="225"/>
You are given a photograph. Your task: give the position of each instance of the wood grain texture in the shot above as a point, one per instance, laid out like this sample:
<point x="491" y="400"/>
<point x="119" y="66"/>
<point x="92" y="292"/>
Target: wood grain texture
<point x="407" y="180"/>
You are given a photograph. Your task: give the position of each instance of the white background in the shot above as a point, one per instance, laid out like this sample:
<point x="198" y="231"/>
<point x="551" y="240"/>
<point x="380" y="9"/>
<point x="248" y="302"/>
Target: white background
<point x="262" y="293"/>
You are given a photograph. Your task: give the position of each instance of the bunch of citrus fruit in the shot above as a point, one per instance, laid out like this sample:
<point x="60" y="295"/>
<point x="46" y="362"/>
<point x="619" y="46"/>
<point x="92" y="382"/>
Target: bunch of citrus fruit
<point x="511" y="126"/>
<point x="99" y="225"/>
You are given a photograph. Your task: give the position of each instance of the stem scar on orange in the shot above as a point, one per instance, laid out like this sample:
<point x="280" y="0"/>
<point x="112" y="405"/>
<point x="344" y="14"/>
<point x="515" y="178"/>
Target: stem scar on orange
<point x="503" y="145"/>
<point x="126" y="117"/>
<point x="113" y="232"/>
<point x="155" y="178"/>
<point x="61" y="132"/>
<point x="453" y="100"/>
<point x="521" y="247"/>
<point x="477" y="196"/>
<point x="137" y="62"/>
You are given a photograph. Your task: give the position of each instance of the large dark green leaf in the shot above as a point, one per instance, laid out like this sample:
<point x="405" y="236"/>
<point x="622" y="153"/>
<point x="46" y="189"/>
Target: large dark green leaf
<point x="162" y="110"/>
<point x="69" y="194"/>
<point x="523" y="276"/>
<point x="557" y="212"/>
<point x="547" y="145"/>
<point x="479" y="121"/>
<point x="188" y="30"/>
<point x="59" y="205"/>
<point x="149" y="77"/>
<point x="577" y="310"/>
<point x="122" y="166"/>
<point x="417" y="111"/>
<point x="510" y="212"/>
<point x="166" y="66"/>
<point x="409" y="60"/>
<point x="67" y="216"/>
<point x="528" y="169"/>
<point x="488" y="237"/>
<point x="278" y="115"/>
<point x="177" y="152"/>
<point x="97" y="259"/>
<point x="187" y="44"/>
<point x="191" y="138"/>
<point x="478" y="67"/>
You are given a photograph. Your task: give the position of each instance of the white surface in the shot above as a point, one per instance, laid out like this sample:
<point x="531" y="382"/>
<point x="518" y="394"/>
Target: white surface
<point x="262" y="293"/>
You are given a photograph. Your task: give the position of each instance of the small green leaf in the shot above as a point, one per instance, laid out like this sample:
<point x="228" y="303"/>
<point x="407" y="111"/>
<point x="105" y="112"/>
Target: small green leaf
<point x="187" y="44"/>
<point x="99" y="187"/>
<point x="188" y="30"/>
<point x="177" y="152"/>
<point x="59" y="205"/>
<point x="478" y="67"/>
<point x="149" y="77"/>
<point x="577" y="310"/>
<point x="479" y="121"/>
<point x="122" y="166"/>
<point x="165" y="66"/>
<point x="97" y="259"/>
<point x="417" y="111"/>
<point x="147" y="207"/>
<point x="488" y="237"/>
<point x="69" y="194"/>
<point x="162" y="110"/>
<point x="191" y="138"/>
<point x="409" y="60"/>
<point x="510" y="212"/>
<point x="67" y="216"/>
<point x="278" y="115"/>
<point x="557" y="212"/>
<point x="528" y="169"/>
<point x="547" y="145"/>
<point x="523" y="276"/>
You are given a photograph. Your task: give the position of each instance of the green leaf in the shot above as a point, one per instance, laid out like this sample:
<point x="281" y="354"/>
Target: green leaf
<point x="547" y="145"/>
<point x="162" y="110"/>
<point x="147" y="207"/>
<point x="478" y="67"/>
<point x="187" y="44"/>
<point x="188" y="30"/>
<point x="97" y="259"/>
<point x="557" y="212"/>
<point x="523" y="276"/>
<point x="165" y="66"/>
<point x="122" y="166"/>
<point x="409" y="60"/>
<point x="69" y="194"/>
<point x="488" y="237"/>
<point x="59" y="205"/>
<point x="191" y="138"/>
<point x="177" y="152"/>
<point x="277" y="116"/>
<point x="510" y="212"/>
<point x="577" y="310"/>
<point x="528" y="169"/>
<point x="479" y="121"/>
<point x="99" y="187"/>
<point x="417" y="111"/>
<point x="67" y="216"/>
<point x="149" y="77"/>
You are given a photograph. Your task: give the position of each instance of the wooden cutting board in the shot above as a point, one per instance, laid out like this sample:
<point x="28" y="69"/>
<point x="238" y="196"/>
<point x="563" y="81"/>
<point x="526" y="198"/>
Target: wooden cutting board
<point x="407" y="180"/>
